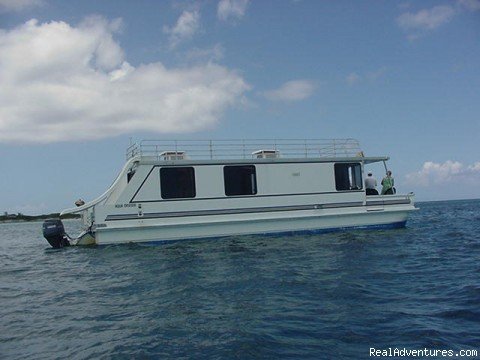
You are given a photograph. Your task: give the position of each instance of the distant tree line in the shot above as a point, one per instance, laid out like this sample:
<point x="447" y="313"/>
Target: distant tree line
<point x="20" y="217"/>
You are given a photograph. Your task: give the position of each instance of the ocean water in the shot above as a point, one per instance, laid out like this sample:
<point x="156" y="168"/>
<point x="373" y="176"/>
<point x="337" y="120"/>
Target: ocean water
<point x="326" y="296"/>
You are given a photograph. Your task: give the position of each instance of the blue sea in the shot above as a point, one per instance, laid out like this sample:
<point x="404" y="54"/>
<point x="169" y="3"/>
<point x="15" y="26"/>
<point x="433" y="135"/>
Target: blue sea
<point x="325" y="296"/>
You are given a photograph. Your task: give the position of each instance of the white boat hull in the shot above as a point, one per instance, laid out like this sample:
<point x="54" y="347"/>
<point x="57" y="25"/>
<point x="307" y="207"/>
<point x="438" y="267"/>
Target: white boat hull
<point x="166" y="230"/>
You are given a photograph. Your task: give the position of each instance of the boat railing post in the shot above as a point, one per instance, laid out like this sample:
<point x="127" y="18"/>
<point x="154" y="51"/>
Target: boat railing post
<point x="305" y="144"/>
<point x="211" y="150"/>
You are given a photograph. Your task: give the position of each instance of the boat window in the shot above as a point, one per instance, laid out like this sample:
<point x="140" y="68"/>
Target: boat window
<point x="348" y="176"/>
<point x="240" y="180"/>
<point x="130" y="175"/>
<point x="132" y="171"/>
<point x="177" y="182"/>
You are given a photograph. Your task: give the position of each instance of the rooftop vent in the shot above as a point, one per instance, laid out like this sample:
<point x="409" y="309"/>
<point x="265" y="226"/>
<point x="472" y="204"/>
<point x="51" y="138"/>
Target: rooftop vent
<point x="266" y="154"/>
<point x="173" y="155"/>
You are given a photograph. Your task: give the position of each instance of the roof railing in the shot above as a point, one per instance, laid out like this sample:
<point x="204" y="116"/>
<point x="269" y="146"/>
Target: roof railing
<point x="245" y="149"/>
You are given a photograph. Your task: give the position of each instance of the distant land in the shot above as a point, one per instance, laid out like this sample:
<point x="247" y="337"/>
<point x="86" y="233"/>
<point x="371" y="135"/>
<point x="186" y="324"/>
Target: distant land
<point x="6" y="217"/>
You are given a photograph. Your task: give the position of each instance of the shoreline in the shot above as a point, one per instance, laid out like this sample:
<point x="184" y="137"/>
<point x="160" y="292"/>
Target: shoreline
<point x="14" y="218"/>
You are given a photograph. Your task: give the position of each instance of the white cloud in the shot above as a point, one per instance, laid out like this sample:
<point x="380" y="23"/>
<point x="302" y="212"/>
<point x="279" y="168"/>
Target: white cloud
<point x="419" y="23"/>
<point x="372" y="76"/>
<point x="291" y="91"/>
<point x="475" y="167"/>
<point x="214" y="53"/>
<point x="234" y="9"/>
<point x="426" y="19"/>
<point x="454" y="172"/>
<point x="352" y="78"/>
<point x="187" y="25"/>
<point x="61" y="82"/>
<point x="18" y="5"/>
<point x="472" y="5"/>
<point x="377" y="74"/>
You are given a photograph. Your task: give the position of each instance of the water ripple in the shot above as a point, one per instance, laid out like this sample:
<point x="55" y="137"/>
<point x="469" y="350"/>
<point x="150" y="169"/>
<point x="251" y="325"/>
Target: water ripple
<point x="319" y="296"/>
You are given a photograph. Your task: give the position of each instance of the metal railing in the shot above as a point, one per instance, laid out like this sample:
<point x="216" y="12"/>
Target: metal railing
<point x="244" y="149"/>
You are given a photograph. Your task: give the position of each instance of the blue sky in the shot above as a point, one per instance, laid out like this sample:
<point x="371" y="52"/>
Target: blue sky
<point x="80" y="78"/>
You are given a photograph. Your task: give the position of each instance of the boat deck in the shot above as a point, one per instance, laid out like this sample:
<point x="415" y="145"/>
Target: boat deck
<point x="245" y="149"/>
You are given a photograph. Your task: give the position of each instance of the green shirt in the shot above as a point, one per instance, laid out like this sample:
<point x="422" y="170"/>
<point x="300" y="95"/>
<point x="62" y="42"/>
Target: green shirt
<point x="387" y="184"/>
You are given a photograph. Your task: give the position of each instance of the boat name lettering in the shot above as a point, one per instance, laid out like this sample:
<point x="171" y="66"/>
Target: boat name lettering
<point x="125" y="205"/>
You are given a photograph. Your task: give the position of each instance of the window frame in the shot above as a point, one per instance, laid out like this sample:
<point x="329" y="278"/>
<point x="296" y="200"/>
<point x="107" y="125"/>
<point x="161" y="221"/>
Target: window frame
<point x="354" y="171"/>
<point x="253" y="187"/>
<point x="192" y="192"/>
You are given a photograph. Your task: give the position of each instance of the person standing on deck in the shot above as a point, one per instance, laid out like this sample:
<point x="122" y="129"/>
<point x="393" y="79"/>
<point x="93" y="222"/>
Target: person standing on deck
<point x="370" y="185"/>
<point x="388" y="184"/>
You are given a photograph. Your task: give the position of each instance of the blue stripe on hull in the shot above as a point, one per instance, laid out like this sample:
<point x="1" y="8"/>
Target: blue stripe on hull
<point x="396" y="225"/>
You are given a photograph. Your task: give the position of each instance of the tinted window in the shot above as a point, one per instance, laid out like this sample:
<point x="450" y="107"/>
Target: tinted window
<point x="348" y="176"/>
<point x="240" y="180"/>
<point x="130" y="175"/>
<point x="177" y="182"/>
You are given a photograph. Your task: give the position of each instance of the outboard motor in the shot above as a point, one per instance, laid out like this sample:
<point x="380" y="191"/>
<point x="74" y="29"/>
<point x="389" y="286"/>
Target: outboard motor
<point x="54" y="232"/>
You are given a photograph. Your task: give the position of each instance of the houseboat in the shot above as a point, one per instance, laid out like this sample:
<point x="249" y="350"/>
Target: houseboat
<point x="176" y="190"/>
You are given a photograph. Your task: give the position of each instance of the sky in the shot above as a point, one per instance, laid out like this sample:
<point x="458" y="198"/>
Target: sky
<point x="80" y="80"/>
